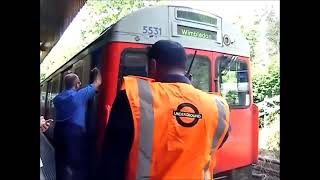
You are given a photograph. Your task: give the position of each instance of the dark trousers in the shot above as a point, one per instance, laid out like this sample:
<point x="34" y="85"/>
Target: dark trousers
<point x="71" y="152"/>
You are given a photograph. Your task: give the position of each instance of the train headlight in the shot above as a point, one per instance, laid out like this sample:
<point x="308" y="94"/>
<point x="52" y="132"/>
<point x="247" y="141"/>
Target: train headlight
<point x="137" y="38"/>
<point x="226" y="40"/>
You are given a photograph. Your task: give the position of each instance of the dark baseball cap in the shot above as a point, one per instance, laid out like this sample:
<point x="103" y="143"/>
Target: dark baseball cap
<point x="168" y="52"/>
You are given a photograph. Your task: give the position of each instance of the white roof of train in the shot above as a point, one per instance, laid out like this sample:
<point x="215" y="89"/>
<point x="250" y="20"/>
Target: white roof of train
<point x="150" y="24"/>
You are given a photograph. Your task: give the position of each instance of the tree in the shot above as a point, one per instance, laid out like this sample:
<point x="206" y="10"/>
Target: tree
<point x="273" y="32"/>
<point x="42" y="76"/>
<point x="102" y="14"/>
<point x="251" y="34"/>
<point x="265" y="64"/>
<point x="267" y="84"/>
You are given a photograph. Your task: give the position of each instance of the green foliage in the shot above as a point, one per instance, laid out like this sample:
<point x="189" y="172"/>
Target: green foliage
<point x="102" y="14"/>
<point x="232" y="97"/>
<point x="42" y="76"/>
<point x="269" y="138"/>
<point x="273" y="33"/>
<point x="251" y="33"/>
<point x="267" y="84"/>
<point x="265" y="71"/>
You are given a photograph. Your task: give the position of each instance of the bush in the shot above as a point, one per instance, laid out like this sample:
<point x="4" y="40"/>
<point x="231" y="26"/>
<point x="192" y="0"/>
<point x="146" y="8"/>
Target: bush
<point x="267" y="84"/>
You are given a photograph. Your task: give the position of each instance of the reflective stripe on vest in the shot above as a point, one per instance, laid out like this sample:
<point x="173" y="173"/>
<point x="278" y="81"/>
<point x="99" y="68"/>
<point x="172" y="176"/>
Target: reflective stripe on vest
<point x="145" y="130"/>
<point x="205" y="171"/>
<point x="221" y="124"/>
<point x="220" y="128"/>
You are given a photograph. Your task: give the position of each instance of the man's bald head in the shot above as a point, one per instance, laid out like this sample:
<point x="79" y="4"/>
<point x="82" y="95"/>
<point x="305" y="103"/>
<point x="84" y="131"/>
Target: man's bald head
<point x="71" y="81"/>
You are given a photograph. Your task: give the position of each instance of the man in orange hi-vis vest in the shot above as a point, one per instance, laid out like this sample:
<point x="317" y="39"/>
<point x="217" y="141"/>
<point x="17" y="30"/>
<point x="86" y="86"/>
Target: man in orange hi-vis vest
<point x="162" y="127"/>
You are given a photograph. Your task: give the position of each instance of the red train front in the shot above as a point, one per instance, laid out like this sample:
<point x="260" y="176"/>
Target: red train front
<point x="221" y="65"/>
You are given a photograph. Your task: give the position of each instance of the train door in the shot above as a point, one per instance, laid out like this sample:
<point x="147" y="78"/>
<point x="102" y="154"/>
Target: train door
<point x="53" y="90"/>
<point x="232" y="79"/>
<point x="43" y="96"/>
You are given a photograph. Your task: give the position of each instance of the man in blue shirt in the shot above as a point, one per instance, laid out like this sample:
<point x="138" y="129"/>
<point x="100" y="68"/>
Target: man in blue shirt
<point x="70" y="131"/>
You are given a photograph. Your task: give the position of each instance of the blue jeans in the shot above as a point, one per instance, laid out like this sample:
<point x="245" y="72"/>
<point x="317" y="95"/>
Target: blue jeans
<point x="71" y="150"/>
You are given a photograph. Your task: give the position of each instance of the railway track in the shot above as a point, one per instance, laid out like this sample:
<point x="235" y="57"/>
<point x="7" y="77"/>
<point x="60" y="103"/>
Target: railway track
<point x="266" y="169"/>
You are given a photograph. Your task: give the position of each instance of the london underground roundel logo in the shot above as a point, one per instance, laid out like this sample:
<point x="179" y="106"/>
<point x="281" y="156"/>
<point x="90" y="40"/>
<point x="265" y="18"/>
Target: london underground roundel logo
<point x="179" y="114"/>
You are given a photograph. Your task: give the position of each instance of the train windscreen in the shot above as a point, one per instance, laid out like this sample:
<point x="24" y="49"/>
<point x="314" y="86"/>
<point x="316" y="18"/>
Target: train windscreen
<point x="233" y="81"/>
<point x="200" y="71"/>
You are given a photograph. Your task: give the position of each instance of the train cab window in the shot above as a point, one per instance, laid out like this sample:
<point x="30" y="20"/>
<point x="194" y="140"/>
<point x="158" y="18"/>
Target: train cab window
<point x="233" y="81"/>
<point x="133" y="62"/>
<point x="200" y="71"/>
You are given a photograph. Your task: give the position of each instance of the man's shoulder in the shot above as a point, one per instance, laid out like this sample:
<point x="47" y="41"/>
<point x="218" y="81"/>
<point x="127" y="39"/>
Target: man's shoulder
<point x="63" y="96"/>
<point x="87" y="87"/>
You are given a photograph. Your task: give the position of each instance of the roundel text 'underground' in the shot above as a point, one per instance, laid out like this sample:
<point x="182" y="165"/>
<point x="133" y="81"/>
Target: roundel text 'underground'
<point x="195" y="115"/>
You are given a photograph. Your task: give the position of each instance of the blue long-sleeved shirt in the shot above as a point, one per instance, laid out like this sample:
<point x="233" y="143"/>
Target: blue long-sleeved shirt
<point x="70" y="105"/>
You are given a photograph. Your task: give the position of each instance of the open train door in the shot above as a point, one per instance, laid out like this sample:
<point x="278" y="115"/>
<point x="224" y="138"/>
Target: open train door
<point x="232" y="79"/>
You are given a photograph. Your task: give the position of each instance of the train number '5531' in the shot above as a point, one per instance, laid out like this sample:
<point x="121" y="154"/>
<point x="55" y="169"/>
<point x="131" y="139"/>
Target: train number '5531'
<point x="150" y="30"/>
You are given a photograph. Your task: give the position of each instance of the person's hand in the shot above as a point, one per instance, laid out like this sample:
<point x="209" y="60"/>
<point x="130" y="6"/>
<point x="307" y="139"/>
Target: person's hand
<point x="98" y="79"/>
<point x="42" y="121"/>
<point x="44" y="125"/>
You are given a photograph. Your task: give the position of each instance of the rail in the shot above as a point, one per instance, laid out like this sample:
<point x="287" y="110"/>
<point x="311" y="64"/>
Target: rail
<point x="266" y="169"/>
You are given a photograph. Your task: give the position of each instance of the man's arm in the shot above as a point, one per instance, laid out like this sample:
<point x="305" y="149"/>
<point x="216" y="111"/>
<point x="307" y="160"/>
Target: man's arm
<point x="89" y="91"/>
<point x="117" y="141"/>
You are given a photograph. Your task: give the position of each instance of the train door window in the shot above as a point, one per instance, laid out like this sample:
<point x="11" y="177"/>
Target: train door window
<point x="78" y="69"/>
<point x="52" y="93"/>
<point x="49" y="84"/>
<point x="55" y="89"/>
<point x="82" y="69"/>
<point x="86" y="67"/>
<point x="200" y="71"/>
<point x="43" y="95"/>
<point x="133" y="62"/>
<point x="233" y="81"/>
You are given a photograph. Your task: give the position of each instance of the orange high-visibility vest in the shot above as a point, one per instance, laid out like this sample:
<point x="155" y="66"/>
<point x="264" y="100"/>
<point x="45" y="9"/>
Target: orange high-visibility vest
<point x="177" y="129"/>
